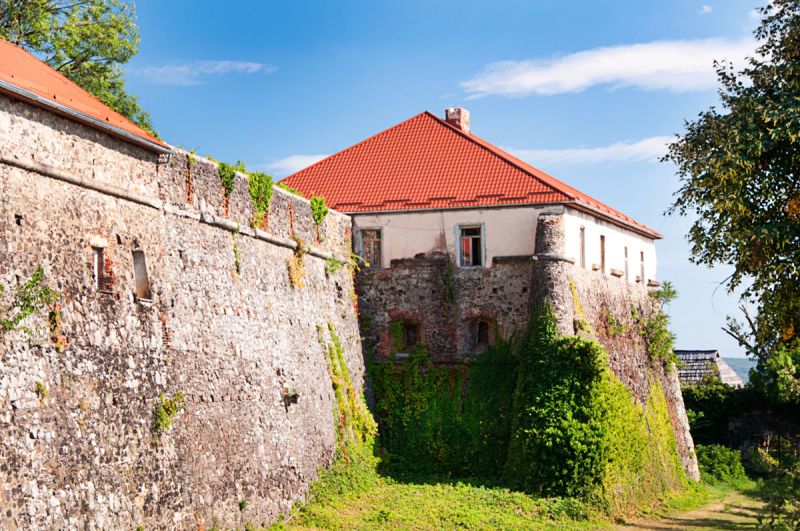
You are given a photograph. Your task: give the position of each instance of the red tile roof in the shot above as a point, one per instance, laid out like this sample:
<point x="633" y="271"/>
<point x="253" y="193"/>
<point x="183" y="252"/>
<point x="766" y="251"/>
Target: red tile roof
<point x="34" y="80"/>
<point x="425" y="163"/>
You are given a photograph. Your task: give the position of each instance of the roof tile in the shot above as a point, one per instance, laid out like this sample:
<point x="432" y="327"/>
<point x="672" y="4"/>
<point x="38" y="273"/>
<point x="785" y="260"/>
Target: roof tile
<point x="425" y="163"/>
<point x="24" y="71"/>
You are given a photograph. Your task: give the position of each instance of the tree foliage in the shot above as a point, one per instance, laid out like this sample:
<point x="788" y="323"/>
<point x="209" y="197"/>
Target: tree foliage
<point x="739" y="167"/>
<point x="86" y="40"/>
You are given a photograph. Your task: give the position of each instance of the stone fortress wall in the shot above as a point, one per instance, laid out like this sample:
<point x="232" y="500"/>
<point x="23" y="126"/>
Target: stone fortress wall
<point x="446" y="302"/>
<point x="221" y="324"/>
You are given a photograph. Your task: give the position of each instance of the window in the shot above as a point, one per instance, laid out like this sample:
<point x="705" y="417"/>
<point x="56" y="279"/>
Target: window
<point x="583" y="247"/>
<point x="140" y="276"/>
<point x="626" y="265"/>
<point x="103" y="280"/>
<point x="641" y="258"/>
<point x="603" y="254"/>
<point x="371" y="246"/>
<point x="471" y="247"/>
<point x="410" y="334"/>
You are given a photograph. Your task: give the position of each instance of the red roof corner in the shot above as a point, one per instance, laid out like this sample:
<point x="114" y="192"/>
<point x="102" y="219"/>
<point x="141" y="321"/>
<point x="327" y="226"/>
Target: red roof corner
<point x="24" y="76"/>
<point x="425" y="163"/>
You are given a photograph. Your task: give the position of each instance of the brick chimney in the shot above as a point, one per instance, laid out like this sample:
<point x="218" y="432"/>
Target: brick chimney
<point x="457" y="117"/>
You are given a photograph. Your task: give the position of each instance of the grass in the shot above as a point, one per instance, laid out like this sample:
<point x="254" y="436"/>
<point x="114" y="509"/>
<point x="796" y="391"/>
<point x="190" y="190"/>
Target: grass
<point x="391" y="504"/>
<point x="357" y="496"/>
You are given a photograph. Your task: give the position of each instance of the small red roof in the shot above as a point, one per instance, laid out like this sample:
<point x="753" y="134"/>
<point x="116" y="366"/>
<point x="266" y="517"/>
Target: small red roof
<point x="425" y="163"/>
<point x="41" y="84"/>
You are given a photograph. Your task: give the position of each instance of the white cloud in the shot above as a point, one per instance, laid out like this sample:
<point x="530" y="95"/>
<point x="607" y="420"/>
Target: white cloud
<point x="293" y="163"/>
<point x="706" y="9"/>
<point x="678" y="65"/>
<point x="197" y="72"/>
<point x="645" y="150"/>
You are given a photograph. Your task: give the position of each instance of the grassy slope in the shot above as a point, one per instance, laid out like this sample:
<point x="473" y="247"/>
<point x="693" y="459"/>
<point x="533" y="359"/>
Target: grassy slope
<point x="363" y="499"/>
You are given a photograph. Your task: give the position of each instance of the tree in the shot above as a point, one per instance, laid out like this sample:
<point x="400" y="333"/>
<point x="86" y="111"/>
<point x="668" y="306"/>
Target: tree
<point x="86" y="40"/>
<point x="739" y="168"/>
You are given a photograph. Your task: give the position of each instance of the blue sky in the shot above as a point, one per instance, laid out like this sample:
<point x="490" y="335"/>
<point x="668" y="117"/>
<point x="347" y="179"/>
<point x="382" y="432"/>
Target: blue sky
<point x="587" y="91"/>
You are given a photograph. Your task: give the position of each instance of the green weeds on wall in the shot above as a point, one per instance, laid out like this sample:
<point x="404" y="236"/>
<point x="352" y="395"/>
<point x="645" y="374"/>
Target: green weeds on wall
<point x="227" y="176"/>
<point x="318" y="209"/>
<point x="29" y="298"/>
<point x="166" y="410"/>
<point x="655" y="329"/>
<point x="260" y="187"/>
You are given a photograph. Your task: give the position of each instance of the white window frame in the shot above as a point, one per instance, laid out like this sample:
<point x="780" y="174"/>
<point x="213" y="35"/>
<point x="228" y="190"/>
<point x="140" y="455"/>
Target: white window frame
<point x="459" y="228"/>
<point x="359" y="241"/>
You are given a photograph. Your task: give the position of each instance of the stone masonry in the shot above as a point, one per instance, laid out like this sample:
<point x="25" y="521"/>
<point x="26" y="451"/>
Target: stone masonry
<point x="416" y="291"/>
<point x="78" y="448"/>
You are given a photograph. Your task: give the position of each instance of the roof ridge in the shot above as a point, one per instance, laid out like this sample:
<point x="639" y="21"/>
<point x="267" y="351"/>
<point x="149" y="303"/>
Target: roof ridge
<point x="556" y="184"/>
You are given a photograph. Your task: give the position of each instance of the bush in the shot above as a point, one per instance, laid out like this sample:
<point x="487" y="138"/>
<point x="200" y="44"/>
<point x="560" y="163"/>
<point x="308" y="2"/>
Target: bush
<point x="719" y="464"/>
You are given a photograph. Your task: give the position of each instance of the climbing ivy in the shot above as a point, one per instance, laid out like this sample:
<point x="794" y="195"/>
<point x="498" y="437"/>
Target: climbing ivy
<point x="30" y="298"/>
<point x="541" y="413"/>
<point x="260" y="187"/>
<point x="355" y="427"/>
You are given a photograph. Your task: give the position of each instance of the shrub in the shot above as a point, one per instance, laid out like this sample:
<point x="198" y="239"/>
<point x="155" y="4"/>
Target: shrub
<point x="719" y="464"/>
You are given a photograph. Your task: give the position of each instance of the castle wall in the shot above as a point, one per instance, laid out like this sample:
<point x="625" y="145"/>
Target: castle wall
<point x="78" y="448"/>
<point x="415" y="291"/>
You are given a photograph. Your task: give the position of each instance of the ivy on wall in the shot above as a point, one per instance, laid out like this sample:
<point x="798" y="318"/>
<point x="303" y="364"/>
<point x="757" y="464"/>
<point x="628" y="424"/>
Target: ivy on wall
<point x="355" y="427"/>
<point x="541" y="413"/>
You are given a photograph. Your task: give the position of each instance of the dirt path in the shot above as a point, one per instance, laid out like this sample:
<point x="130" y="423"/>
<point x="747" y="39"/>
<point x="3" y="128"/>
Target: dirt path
<point x="736" y="511"/>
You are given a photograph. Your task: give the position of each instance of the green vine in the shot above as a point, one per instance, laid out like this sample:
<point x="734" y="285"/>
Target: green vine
<point x="227" y="175"/>
<point x="191" y="160"/>
<point x="166" y="410"/>
<point x="260" y="187"/>
<point x="396" y="333"/>
<point x="30" y="298"/>
<point x="355" y="427"/>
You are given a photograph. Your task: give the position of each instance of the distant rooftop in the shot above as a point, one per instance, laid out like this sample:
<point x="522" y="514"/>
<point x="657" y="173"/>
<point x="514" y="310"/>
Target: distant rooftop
<point x="699" y="365"/>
